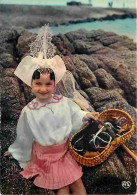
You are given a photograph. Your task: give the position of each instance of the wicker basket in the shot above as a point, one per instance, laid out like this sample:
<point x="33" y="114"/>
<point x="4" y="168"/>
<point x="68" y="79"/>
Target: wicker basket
<point x="105" y="115"/>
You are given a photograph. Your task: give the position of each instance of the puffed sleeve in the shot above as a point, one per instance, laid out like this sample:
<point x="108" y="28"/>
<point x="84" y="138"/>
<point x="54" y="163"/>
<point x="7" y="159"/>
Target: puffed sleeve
<point x="22" y="147"/>
<point x="77" y="116"/>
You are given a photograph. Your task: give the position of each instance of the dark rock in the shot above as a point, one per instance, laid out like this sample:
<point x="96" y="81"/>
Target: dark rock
<point x="90" y="62"/>
<point x="76" y="35"/>
<point x="103" y="100"/>
<point x="68" y="60"/>
<point x="100" y="97"/>
<point x="87" y="47"/>
<point x="64" y="45"/>
<point x="107" y="177"/>
<point x="8" y="41"/>
<point x="105" y="80"/>
<point x="7" y="60"/>
<point x="93" y="93"/>
<point x="118" y="68"/>
<point x="12" y="98"/>
<point x="86" y="77"/>
<point x="8" y="72"/>
<point x="24" y="41"/>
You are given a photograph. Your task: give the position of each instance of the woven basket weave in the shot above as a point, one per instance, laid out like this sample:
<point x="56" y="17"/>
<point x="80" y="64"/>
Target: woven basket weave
<point x="105" y="115"/>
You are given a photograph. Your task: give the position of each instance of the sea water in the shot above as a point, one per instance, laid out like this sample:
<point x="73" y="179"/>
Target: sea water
<point x="120" y="26"/>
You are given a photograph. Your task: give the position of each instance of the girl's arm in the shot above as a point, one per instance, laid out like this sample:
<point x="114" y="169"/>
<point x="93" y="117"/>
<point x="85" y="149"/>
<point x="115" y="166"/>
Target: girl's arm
<point x="22" y="147"/>
<point x="78" y="116"/>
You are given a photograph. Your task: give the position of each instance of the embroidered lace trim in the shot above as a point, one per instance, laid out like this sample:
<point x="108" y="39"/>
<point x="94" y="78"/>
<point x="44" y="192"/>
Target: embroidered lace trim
<point x="35" y="105"/>
<point x="43" y="44"/>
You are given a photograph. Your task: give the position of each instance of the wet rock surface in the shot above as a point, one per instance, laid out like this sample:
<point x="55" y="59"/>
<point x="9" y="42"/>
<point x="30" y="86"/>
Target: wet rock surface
<point x="104" y="67"/>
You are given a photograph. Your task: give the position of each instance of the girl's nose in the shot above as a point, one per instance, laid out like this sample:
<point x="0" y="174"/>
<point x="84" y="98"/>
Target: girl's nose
<point x="43" y="88"/>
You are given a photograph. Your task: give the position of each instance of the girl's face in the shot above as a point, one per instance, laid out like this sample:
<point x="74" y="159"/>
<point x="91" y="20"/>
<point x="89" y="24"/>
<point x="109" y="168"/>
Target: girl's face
<point x="43" y="87"/>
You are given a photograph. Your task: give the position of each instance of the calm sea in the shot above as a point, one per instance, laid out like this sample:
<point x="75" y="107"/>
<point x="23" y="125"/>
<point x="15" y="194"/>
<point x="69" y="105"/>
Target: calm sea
<point x="120" y="26"/>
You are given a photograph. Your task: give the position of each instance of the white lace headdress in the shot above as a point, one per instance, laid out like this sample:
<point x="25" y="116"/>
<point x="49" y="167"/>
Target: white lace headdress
<point x="66" y="87"/>
<point x="42" y="55"/>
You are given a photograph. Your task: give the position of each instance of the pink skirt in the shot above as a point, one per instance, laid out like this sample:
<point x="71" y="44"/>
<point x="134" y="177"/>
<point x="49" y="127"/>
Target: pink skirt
<point x="52" y="166"/>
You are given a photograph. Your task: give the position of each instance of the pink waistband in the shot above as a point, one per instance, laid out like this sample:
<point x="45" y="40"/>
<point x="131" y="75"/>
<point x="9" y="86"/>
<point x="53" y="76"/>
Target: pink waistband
<point x="56" y="148"/>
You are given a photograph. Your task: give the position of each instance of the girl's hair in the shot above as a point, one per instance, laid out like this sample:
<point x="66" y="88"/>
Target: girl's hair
<point x="39" y="71"/>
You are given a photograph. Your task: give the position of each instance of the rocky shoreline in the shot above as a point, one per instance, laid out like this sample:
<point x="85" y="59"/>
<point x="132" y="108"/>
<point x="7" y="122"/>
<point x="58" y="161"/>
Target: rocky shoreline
<point x="29" y="17"/>
<point x="104" y="66"/>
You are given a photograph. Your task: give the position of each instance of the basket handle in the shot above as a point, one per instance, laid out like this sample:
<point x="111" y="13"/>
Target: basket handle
<point x="98" y="120"/>
<point x="107" y="127"/>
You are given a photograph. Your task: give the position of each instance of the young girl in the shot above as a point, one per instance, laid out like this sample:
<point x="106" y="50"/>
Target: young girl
<point x="44" y="128"/>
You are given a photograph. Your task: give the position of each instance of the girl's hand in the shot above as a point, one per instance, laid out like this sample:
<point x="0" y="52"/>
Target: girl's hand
<point x="93" y="115"/>
<point x="7" y="154"/>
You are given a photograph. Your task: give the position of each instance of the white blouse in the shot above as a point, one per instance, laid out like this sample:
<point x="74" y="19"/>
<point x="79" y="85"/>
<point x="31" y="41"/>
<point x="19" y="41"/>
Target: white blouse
<point x="46" y="124"/>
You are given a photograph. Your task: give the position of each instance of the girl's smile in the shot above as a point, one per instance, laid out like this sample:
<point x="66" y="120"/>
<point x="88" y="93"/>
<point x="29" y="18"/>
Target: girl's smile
<point x="43" y="87"/>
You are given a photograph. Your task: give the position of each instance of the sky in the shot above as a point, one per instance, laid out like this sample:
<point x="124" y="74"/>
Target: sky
<point x="95" y="3"/>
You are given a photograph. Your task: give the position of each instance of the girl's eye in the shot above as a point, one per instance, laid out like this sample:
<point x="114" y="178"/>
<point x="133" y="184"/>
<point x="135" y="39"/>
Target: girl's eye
<point x="38" y="83"/>
<point x="49" y="84"/>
